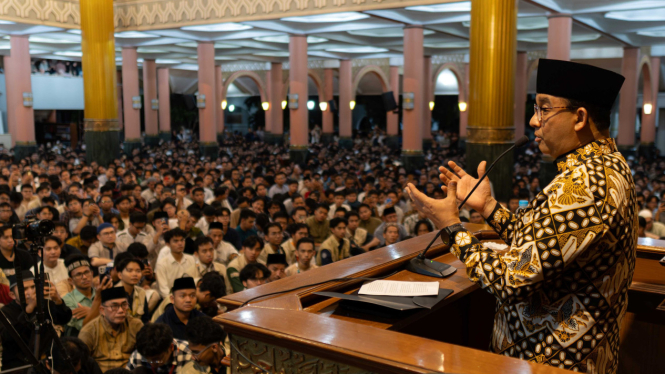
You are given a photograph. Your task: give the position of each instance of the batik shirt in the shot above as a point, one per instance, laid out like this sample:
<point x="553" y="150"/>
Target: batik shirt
<point x="562" y="286"/>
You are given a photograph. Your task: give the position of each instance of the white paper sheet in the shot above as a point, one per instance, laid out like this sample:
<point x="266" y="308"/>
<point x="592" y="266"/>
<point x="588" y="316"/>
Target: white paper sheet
<point x="399" y="288"/>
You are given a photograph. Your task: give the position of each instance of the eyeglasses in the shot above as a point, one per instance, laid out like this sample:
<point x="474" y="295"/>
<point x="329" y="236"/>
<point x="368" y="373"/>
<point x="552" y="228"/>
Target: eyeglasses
<point x="86" y="273"/>
<point x="197" y="355"/>
<point x="539" y="111"/>
<point x="114" y="307"/>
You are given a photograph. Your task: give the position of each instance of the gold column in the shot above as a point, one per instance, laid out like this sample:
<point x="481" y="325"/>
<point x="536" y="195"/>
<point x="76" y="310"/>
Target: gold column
<point x="491" y="129"/>
<point x="99" y="81"/>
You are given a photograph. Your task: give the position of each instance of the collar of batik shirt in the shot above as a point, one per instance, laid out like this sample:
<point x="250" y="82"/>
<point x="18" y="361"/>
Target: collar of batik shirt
<point x="572" y="159"/>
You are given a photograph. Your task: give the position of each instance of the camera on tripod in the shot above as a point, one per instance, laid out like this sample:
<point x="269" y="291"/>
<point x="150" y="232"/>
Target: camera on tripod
<point x="32" y="230"/>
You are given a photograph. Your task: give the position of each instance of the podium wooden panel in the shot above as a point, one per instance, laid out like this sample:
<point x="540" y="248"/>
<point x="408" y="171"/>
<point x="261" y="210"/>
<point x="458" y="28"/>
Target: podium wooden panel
<point x="299" y="332"/>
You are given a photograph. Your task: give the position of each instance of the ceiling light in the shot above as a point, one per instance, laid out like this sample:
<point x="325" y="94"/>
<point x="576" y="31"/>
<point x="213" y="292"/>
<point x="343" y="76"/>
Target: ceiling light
<point x="150" y="50"/>
<point x="462" y="6"/>
<point x="221" y="58"/>
<point x="323" y="106"/>
<point x="38" y="52"/>
<point x="653" y="14"/>
<point x="272" y="54"/>
<point x="166" y="61"/>
<point x="310" y="105"/>
<point x="3" y="22"/>
<point x="217" y="27"/>
<point x="217" y="45"/>
<point x="134" y="35"/>
<point x="232" y="108"/>
<point x="69" y="53"/>
<point x="74" y="31"/>
<point x="388" y="32"/>
<point x="526" y="23"/>
<point x="652" y="33"/>
<point x="328" y="18"/>
<point x="359" y="49"/>
<point x="284" y="39"/>
<point x="53" y="39"/>
<point x="574" y="38"/>
<point x="462" y="44"/>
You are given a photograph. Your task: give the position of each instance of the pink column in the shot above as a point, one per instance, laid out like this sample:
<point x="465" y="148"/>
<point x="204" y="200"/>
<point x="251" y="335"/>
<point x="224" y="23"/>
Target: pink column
<point x="345" y="96"/>
<point x="327" y="96"/>
<point x="298" y="78"/>
<point x="219" y="85"/>
<point x="164" y="95"/>
<point x="628" y="97"/>
<point x="650" y="96"/>
<point x="130" y="88"/>
<point x="521" y="71"/>
<point x="276" y="92"/>
<point x="121" y="122"/>
<point x="558" y="36"/>
<point x="427" y="97"/>
<point x="413" y="82"/>
<point x="21" y="119"/>
<point x="392" y="120"/>
<point x="207" y="122"/>
<point x="150" y="118"/>
<point x="464" y="116"/>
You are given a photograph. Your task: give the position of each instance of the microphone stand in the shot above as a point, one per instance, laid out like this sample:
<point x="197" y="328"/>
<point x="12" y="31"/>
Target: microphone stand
<point x="424" y="266"/>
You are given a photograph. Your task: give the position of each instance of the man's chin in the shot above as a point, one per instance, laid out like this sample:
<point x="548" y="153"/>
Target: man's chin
<point x="543" y="148"/>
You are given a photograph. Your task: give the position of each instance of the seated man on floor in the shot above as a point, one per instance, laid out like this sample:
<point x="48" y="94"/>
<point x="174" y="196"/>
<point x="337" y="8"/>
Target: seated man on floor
<point x="182" y="308"/>
<point x="304" y="254"/>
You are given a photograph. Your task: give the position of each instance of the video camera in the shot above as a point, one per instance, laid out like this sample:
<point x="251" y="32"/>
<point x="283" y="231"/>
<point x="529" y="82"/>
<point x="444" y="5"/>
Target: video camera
<point x="32" y="230"/>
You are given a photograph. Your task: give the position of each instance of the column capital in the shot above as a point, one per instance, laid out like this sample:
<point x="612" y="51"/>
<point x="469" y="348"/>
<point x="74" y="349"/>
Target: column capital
<point x="559" y="15"/>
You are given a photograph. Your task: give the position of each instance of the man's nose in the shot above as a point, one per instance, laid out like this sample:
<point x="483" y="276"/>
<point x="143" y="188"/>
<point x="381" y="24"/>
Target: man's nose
<point x="533" y="122"/>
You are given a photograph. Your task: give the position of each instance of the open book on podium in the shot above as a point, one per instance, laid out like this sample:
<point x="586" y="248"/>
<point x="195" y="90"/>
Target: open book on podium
<point x="313" y="329"/>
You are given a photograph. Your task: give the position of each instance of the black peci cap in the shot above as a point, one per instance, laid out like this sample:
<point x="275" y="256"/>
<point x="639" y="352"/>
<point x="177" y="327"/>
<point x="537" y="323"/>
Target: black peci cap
<point x="185" y="283"/>
<point x="579" y="82"/>
<point x="113" y="293"/>
<point x="277" y="258"/>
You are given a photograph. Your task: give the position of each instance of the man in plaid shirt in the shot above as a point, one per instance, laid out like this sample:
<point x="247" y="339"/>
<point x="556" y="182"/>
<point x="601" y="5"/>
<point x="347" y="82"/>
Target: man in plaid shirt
<point x="158" y="350"/>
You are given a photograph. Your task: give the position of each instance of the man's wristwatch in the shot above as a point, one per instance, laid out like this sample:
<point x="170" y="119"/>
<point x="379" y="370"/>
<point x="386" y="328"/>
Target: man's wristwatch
<point x="448" y="234"/>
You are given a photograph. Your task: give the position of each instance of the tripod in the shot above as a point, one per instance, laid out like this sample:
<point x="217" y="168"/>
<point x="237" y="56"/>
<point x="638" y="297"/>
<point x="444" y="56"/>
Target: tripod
<point x="42" y="325"/>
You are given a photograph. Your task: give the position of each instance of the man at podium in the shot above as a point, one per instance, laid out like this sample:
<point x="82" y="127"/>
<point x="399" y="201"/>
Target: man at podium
<point x="562" y="285"/>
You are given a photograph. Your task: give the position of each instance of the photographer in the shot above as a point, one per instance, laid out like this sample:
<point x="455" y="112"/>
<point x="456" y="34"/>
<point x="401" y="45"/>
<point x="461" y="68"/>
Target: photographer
<point x="23" y="321"/>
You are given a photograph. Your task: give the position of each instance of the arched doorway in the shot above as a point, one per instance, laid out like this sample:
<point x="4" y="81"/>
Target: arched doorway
<point x="646" y="114"/>
<point x="244" y="102"/>
<point x="368" y="110"/>
<point x="449" y="101"/>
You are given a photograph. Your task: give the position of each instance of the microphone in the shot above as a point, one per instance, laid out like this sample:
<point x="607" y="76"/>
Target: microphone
<point x="420" y="264"/>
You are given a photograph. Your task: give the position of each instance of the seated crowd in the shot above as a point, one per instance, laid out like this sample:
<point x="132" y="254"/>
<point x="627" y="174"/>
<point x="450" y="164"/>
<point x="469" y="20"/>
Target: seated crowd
<point x="143" y="249"/>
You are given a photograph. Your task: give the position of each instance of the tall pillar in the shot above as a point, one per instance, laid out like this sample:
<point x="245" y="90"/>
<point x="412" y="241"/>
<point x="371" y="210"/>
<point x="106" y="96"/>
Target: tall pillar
<point x="164" y="97"/>
<point x="427" y="97"/>
<point x="102" y="134"/>
<point x="130" y="89"/>
<point x="628" y="98"/>
<point x="21" y="118"/>
<point x="521" y="71"/>
<point x="464" y="114"/>
<point x="558" y="36"/>
<point x="650" y="96"/>
<point x="149" y="94"/>
<point x="392" y="118"/>
<point x="491" y="94"/>
<point x="327" y="120"/>
<point x="298" y="86"/>
<point x="219" y="96"/>
<point x="412" y="84"/>
<point x="207" y="115"/>
<point x="345" y="97"/>
<point x="118" y="77"/>
<point x="275" y="135"/>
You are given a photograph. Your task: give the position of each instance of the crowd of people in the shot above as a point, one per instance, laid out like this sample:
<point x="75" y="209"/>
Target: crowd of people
<point x="57" y="67"/>
<point x="144" y="247"/>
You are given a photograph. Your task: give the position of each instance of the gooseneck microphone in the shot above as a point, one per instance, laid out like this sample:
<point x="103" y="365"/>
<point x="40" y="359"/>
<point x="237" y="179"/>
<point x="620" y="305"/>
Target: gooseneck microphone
<point x="420" y="264"/>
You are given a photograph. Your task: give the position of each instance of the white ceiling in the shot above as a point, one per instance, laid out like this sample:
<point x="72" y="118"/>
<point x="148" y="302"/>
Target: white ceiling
<point x="600" y="29"/>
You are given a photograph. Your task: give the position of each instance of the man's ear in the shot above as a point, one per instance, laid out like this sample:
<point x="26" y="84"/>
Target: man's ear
<point x="582" y="119"/>
<point x="171" y="298"/>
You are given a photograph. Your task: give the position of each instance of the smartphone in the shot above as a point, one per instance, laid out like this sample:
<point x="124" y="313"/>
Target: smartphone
<point x="105" y="271"/>
<point x="388" y="201"/>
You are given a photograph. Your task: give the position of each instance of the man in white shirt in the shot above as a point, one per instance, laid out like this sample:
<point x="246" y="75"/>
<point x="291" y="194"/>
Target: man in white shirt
<point x="224" y="251"/>
<point x="338" y="203"/>
<point x="280" y="186"/>
<point x="135" y="233"/>
<point x="175" y="263"/>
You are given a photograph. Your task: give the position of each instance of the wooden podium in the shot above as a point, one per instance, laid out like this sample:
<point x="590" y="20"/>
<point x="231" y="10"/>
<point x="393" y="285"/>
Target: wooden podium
<point x="299" y="332"/>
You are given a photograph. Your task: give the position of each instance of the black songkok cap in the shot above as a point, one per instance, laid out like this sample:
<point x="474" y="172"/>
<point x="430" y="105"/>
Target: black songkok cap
<point x="113" y="293"/>
<point x="390" y="210"/>
<point x="580" y="82"/>
<point x="216" y="225"/>
<point x="277" y="258"/>
<point x="186" y="283"/>
<point x="159" y="215"/>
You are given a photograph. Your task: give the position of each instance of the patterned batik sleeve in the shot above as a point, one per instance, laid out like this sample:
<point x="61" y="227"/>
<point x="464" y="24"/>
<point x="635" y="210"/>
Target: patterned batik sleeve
<point x="545" y="238"/>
